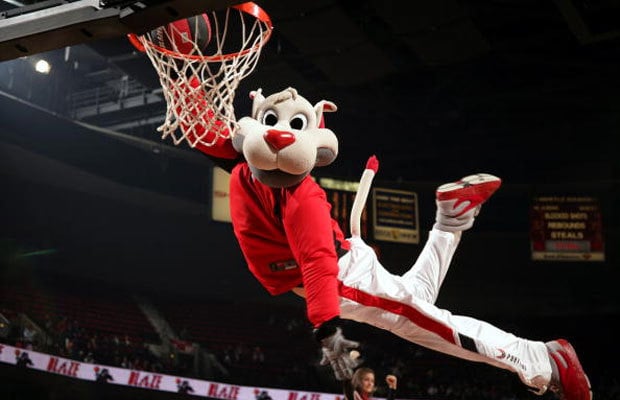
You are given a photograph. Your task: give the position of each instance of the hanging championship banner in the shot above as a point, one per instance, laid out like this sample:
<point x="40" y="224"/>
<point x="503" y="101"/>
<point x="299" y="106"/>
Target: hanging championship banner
<point x="566" y="228"/>
<point x="395" y="216"/>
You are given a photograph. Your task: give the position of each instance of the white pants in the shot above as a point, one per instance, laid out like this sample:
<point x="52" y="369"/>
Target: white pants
<point x="405" y="305"/>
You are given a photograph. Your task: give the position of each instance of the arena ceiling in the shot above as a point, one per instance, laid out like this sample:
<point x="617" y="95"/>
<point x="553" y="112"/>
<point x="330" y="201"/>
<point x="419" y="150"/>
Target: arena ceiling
<point x="498" y="81"/>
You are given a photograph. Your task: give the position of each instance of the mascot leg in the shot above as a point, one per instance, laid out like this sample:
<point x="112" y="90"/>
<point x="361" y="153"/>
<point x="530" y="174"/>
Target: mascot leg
<point x="427" y="274"/>
<point x="404" y="305"/>
<point x="458" y="203"/>
<point x="370" y="294"/>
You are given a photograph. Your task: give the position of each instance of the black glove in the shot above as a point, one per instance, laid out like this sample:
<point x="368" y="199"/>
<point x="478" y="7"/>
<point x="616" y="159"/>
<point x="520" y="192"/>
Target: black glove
<point x="336" y="349"/>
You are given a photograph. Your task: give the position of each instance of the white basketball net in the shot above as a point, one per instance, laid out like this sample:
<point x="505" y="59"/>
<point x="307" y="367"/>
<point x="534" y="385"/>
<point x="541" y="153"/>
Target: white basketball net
<point x="199" y="87"/>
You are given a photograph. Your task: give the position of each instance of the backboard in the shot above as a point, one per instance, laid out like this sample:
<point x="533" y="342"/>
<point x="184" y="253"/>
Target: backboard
<point x="52" y="24"/>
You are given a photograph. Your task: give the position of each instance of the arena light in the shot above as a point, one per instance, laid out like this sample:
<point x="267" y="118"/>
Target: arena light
<point x="42" y="67"/>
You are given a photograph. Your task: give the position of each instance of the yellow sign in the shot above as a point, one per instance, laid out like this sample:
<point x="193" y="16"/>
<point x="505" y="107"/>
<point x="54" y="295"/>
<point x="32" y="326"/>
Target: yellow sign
<point x="395" y="216"/>
<point x="220" y="207"/>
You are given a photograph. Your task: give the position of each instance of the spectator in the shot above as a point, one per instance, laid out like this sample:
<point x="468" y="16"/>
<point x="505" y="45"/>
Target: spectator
<point x="28" y="335"/>
<point x="362" y="385"/>
<point x="258" y="357"/>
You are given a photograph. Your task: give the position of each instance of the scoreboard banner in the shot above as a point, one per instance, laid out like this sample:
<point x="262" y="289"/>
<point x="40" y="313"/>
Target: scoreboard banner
<point x="566" y="228"/>
<point x="391" y="214"/>
<point x="341" y="195"/>
<point x="395" y="216"/>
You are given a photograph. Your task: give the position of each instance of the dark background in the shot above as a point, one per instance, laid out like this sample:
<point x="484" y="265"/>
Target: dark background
<point x="525" y="90"/>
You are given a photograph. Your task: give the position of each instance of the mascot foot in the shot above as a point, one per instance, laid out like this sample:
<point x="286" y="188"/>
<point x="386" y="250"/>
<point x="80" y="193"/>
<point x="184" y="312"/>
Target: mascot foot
<point x="459" y="202"/>
<point x="568" y="381"/>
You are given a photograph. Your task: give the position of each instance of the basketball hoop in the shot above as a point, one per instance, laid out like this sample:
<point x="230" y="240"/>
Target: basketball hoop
<point x="199" y="81"/>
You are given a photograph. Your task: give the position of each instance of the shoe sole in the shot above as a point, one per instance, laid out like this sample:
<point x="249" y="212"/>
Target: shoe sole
<point x="475" y="188"/>
<point x="563" y="349"/>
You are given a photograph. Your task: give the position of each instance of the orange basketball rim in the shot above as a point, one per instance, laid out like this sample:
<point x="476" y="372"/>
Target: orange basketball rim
<point x="199" y="85"/>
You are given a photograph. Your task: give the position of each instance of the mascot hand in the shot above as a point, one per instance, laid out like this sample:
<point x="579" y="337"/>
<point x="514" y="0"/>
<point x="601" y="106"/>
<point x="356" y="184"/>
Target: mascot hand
<point x="337" y="344"/>
<point x="336" y="349"/>
<point x="343" y="365"/>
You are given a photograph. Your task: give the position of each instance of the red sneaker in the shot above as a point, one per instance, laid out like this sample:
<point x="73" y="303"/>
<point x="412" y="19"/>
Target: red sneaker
<point x="475" y="189"/>
<point x="570" y="382"/>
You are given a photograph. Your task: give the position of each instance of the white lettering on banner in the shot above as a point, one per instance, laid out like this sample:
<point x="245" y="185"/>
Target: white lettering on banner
<point x="223" y="391"/>
<point x="144" y="380"/>
<point x="65" y="367"/>
<point x="304" y="396"/>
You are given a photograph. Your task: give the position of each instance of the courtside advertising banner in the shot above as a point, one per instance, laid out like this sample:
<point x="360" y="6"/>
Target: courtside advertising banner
<point x="23" y="358"/>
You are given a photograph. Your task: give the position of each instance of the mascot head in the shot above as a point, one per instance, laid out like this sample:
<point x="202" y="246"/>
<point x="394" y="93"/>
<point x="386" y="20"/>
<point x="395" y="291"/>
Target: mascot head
<point x="284" y="139"/>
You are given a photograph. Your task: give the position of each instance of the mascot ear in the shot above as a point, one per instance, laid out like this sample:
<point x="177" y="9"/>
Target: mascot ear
<point x="258" y="98"/>
<point x="321" y="107"/>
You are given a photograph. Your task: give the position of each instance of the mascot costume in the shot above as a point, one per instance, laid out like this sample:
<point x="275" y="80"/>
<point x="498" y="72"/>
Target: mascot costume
<point x="281" y="219"/>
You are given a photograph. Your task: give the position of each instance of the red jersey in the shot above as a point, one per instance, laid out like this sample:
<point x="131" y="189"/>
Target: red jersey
<point x="289" y="238"/>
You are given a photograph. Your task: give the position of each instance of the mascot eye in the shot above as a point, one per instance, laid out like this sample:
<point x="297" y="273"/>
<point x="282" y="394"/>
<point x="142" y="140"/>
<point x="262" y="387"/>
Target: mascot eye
<point x="299" y="122"/>
<point x="270" y="118"/>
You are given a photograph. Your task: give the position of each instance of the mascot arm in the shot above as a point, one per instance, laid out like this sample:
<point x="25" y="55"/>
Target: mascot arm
<point x="194" y="100"/>
<point x="309" y="229"/>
